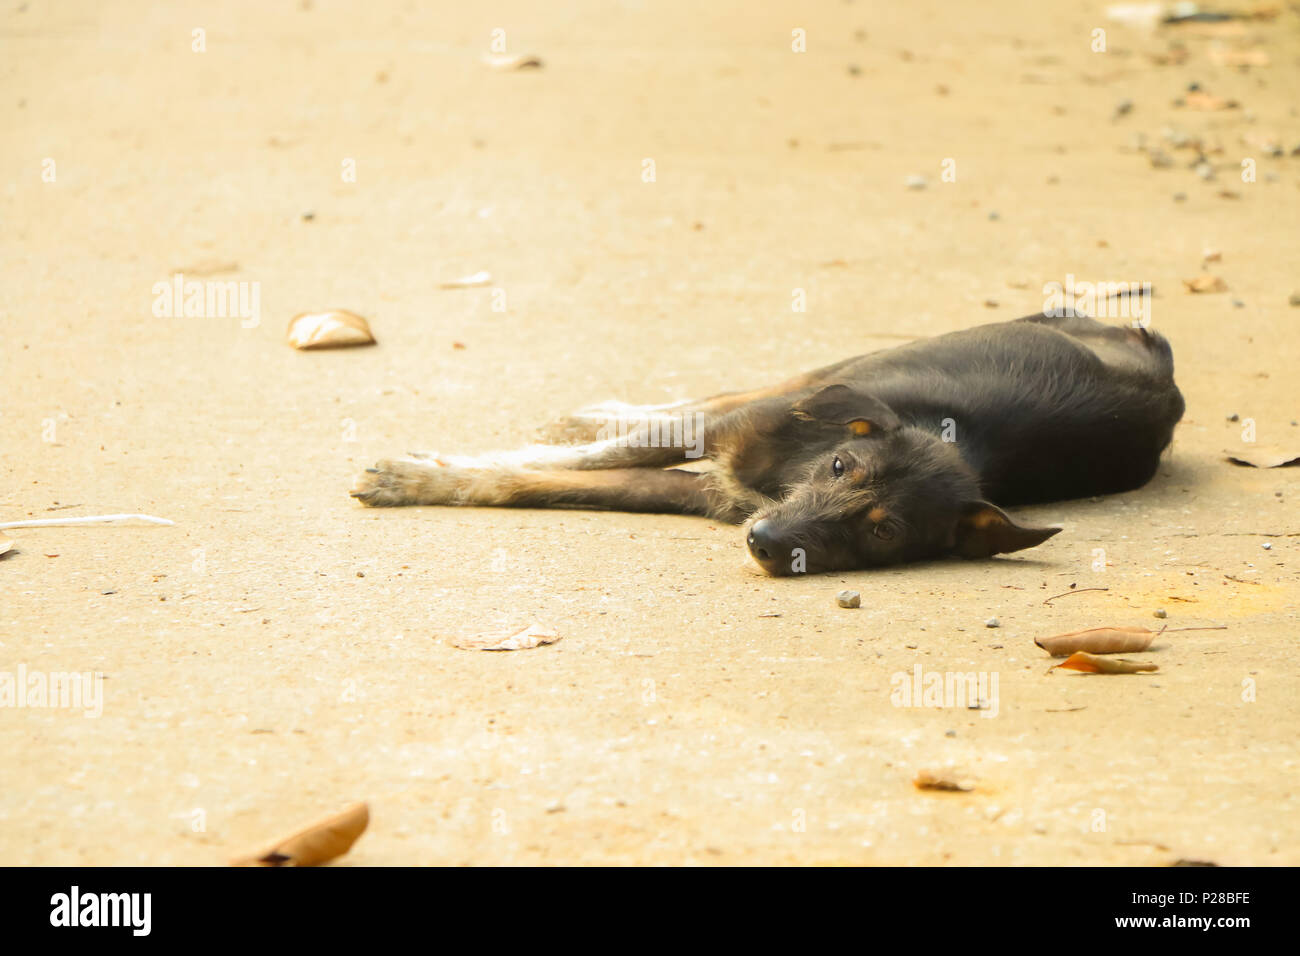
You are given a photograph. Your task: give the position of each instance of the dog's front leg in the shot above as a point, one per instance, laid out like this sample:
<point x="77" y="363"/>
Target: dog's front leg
<point x="413" y="482"/>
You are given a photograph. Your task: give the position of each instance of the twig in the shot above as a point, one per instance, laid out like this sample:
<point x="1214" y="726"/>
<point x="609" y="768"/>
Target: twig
<point x="1075" y="591"/>
<point x="88" y="519"/>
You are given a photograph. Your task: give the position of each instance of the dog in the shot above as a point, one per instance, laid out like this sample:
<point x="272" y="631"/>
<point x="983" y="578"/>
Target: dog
<point x="895" y="456"/>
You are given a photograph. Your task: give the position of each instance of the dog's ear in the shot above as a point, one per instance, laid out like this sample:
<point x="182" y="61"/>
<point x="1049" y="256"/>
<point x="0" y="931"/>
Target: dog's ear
<point x="984" y="529"/>
<point x="856" y="411"/>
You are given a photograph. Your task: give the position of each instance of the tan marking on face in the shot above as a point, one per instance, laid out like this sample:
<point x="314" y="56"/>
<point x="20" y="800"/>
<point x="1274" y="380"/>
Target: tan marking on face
<point x="985" y="519"/>
<point x="858" y="475"/>
<point x="860" y="427"/>
<point x="877" y="514"/>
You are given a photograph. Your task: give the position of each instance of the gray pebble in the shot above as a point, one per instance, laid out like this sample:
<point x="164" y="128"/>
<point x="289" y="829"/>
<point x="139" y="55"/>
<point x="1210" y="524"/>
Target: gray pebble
<point x="916" y="182"/>
<point x="993" y="622"/>
<point x="1268" y="546"/>
<point x="1160" y="612"/>
<point x="848" y="599"/>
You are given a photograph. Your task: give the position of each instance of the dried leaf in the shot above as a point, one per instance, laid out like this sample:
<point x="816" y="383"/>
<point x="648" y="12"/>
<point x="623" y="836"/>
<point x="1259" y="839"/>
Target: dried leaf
<point x="512" y="61"/>
<point x="522" y="639"/>
<point x="467" y="282"/>
<point x="1263" y="456"/>
<point x="318" y="842"/>
<point x="1098" y="640"/>
<point x="5" y="543"/>
<point x="944" y="780"/>
<point x="329" y="330"/>
<point x="1206" y="283"/>
<point x="1224" y="28"/>
<point x="1225" y="57"/>
<point x="1200" y="100"/>
<point x="1092" y="664"/>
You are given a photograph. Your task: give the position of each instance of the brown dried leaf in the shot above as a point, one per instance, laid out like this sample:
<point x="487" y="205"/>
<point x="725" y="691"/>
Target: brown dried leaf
<point x="1200" y="100"/>
<point x="329" y="330"/>
<point x="522" y="639"/>
<point x="1092" y="664"/>
<point x="1226" y="57"/>
<point x="1264" y="456"/>
<point x="1206" y="283"/>
<point x="1098" y="640"/>
<point x="944" y="780"/>
<point x="318" y="842"/>
<point x="5" y="543"/>
<point x="1224" y="28"/>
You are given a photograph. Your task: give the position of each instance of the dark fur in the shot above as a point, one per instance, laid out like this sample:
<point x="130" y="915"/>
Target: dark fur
<point x="1039" y="409"/>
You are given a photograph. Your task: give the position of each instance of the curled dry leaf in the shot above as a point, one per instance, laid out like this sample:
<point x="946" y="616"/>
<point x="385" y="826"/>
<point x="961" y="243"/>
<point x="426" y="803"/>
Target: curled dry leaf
<point x="1098" y="640"/>
<point x="1264" y="456"/>
<point x="512" y="61"/>
<point x="941" y="780"/>
<point x="1206" y="283"/>
<point x="329" y="330"/>
<point x="521" y="639"/>
<point x="318" y="842"/>
<point x="1223" y="56"/>
<point x="5" y="543"/>
<point x="1092" y="664"/>
<point x="467" y="282"/>
<point x="1200" y="100"/>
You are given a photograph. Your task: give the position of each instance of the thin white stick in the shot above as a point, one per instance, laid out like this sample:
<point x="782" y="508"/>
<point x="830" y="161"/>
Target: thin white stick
<point x="88" y="519"/>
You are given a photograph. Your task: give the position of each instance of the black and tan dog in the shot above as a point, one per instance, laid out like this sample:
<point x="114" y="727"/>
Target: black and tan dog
<point x="895" y="456"/>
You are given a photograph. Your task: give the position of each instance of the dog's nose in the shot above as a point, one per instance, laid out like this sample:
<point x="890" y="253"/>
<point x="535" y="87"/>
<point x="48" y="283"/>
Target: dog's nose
<point x="762" y="543"/>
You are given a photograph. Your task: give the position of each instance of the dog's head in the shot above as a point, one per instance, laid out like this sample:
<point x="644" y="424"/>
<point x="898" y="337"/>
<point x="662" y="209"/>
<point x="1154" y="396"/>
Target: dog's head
<point x="880" y="492"/>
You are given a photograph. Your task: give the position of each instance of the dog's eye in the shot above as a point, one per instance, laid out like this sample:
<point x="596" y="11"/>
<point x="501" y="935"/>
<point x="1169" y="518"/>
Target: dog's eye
<point x="884" y="532"/>
<point x="837" y="468"/>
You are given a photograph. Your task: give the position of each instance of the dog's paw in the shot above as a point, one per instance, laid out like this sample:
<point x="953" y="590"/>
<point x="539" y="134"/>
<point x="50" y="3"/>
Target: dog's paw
<point x="405" y="482"/>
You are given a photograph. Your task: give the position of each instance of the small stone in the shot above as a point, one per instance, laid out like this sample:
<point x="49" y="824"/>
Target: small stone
<point x="1267" y="546"/>
<point x="950" y="733"/>
<point x="916" y="182"/>
<point x="361" y="574"/>
<point x="1234" y="417"/>
<point x="1205" y="170"/>
<point x="1123" y="108"/>
<point x="1161" y="613"/>
<point x="993" y="622"/>
<point x="1180" y="197"/>
<point x="1238" y="304"/>
<point x="993" y="215"/>
<point x="848" y="599"/>
<point x="1159" y="159"/>
<point x="1294" y="300"/>
<point x="308" y="216"/>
